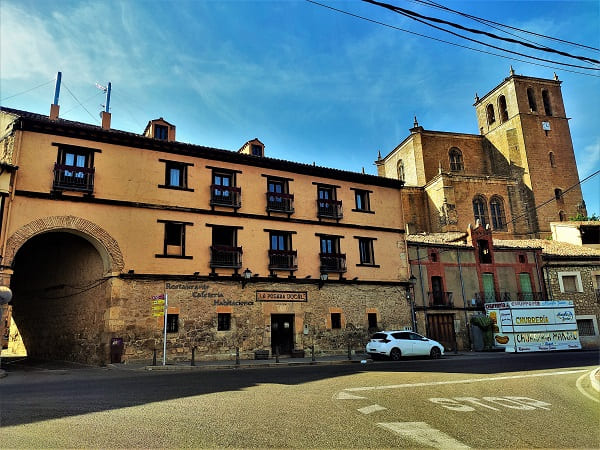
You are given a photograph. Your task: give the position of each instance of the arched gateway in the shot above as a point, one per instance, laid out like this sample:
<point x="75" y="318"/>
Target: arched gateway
<point x="63" y="269"/>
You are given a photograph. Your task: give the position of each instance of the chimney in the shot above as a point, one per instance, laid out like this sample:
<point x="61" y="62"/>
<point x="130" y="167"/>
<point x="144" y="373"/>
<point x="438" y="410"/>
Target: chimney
<point x="54" y="107"/>
<point x="105" y="120"/>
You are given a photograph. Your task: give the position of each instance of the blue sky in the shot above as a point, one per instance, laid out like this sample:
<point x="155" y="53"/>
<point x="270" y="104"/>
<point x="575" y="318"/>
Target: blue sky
<point x="314" y="85"/>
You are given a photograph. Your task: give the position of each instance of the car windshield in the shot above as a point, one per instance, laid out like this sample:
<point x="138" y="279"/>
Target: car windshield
<point x="379" y="336"/>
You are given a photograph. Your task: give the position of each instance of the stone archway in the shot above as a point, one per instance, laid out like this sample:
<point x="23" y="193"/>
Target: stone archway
<point x="97" y="236"/>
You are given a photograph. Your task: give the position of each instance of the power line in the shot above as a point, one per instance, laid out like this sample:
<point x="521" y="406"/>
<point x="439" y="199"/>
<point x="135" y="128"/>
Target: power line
<point x="28" y="90"/>
<point x="77" y="100"/>
<point x="512" y="58"/>
<point x="424" y="20"/>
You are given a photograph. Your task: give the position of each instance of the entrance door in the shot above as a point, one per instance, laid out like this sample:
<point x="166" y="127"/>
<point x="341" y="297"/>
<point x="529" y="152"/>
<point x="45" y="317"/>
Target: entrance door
<point x="282" y="333"/>
<point x="441" y="329"/>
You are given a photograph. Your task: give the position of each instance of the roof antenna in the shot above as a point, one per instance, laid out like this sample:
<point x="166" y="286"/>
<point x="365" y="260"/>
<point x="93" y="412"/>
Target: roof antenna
<point x="105" y="114"/>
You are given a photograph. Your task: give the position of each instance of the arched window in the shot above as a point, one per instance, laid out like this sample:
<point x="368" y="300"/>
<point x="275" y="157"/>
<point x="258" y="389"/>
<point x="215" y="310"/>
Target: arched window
<point x="531" y="99"/>
<point x="562" y="216"/>
<point x="400" y="169"/>
<point x="480" y="210"/>
<point x="502" y="109"/>
<point x="491" y="117"/>
<point x="497" y="213"/>
<point x="551" y="157"/>
<point x="558" y="194"/>
<point x="546" y="100"/>
<point x="456" y="161"/>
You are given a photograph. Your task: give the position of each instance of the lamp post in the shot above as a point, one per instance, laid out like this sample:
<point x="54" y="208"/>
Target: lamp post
<point x="410" y="292"/>
<point x="322" y="279"/>
<point x="246" y="275"/>
<point x="5" y="297"/>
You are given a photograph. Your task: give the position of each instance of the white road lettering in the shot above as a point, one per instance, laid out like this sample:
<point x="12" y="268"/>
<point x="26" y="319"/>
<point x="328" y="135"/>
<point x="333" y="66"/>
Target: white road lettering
<point x="423" y="434"/>
<point x="452" y="405"/>
<point x="371" y="409"/>
<point x="475" y="402"/>
<point x="346" y="396"/>
<point x="522" y="403"/>
<point x="531" y="402"/>
<point x="508" y="403"/>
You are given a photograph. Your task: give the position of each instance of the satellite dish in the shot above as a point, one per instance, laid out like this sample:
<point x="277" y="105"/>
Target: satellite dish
<point x="5" y="294"/>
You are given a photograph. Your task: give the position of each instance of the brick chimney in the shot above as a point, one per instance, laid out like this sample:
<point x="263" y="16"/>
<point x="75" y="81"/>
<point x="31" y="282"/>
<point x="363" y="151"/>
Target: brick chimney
<point x="105" y="120"/>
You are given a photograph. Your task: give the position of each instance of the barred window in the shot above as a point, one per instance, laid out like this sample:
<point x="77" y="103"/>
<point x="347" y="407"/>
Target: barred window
<point x="586" y="327"/>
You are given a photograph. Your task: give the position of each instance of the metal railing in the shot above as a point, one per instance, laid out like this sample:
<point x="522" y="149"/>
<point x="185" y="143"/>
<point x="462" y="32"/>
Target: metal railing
<point x="329" y="208"/>
<point x="225" y="196"/>
<point x="530" y="296"/>
<point x="440" y="299"/>
<point x="279" y="202"/>
<point x="225" y="256"/>
<point x="283" y="259"/>
<point x="333" y="262"/>
<point x="73" y="178"/>
<point x="492" y="297"/>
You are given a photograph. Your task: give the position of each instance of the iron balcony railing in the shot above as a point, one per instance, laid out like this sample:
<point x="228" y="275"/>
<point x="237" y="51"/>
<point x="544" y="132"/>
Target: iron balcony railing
<point x="73" y="178"/>
<point x="333" y="262"/>
<point x="225" y="196"/>
<point x="329" y="208"/>
<point x="440" y="299"/>
<point x="530" y="296"/>
<point x="283" y="259"/>
<point x="279" y="202"/>
<point x="225" y="256"/>
<point x="492" y="297"/>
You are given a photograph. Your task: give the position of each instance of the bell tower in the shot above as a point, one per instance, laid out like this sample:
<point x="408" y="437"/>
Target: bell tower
<point x="527" y="138"/>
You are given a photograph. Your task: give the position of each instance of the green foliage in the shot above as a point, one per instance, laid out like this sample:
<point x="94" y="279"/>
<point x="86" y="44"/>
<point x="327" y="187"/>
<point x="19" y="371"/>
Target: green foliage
<point x="581" y="218"/>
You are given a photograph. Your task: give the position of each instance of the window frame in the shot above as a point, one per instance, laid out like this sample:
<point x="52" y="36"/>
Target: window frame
<point x="366" y="251"/>
<point x="337" y="324"/>
<point x="497" y="213"/>
<point x="502" y="109"/>
<point x="66" y="177"/>
<point x="182" y="231"/>
<point x="546" y="102"/>
<point x="161" y="132"/>
<point x="223" y="321"/>
<point x="578" y="283"/>
<point x="456" y="160"/>
<point x="531" y="100"/>
<point x="172" y="323"/>
<point x="183" y="171"/>
<point x="365" y="198"/>
<point x="480" y="200"/>
<point x="490" y="114"/>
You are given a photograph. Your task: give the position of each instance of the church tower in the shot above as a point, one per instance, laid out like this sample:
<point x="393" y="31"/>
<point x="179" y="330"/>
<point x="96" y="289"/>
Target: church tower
<point x="527" y="137"/>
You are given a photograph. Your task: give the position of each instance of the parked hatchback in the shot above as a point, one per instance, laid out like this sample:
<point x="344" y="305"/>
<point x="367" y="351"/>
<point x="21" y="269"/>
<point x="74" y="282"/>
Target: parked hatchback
<point x="396" y="344"/>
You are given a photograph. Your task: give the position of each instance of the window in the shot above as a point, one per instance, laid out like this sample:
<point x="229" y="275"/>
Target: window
<point x="327" y="204"/>
<point x="161" y="132"/>
<point x="456" y="160"/>
<point x="551" y="158"/>
<point x="485" y="255"/>
<point x="365" y="250"/>
<point x="497" y="213"/>
<point x="281" y="255"/>
<point x="489" y="290"/>
<point x="172" y="323"/>
<point x="479" y="210"/>
<point x="531" y="100"/>
<point x="174" y="240"/>
<point x="400" y="170"/>
<point x="526" y="288"/>
<point x="522" y="258"/>
<point x="223" y="321"/>
<point x="562" y="216"/>
<point x="256" y="150"/>
<point x="570" y="282"/>
<point x="278" y="198"/>
<point x="491" y="118"/>
<point x="331" y="258"/>
<point x="336" y="321"/>
<point x="546" y="101"/>
<point x="372" y="320"/>
<point x="586" y="327"/>
<point x="502" y="109"/>
<point x="223" y="190"/>
<point x="175" y="175"/>
<point x="74" y="169"/>
<point x="224" y="250"/>
<point x="558" y="194"/>
<point x="362" y="201"/>
<point x="433" y="256"/>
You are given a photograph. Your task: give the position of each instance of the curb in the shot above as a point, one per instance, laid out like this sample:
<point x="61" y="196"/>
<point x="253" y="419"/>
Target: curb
<point x="252" y="366"/>
<point x="594" y="374"/>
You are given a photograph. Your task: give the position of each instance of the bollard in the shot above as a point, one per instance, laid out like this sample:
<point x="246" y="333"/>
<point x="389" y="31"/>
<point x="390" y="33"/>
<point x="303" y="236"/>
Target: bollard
<point x="312" y="349"/>
<point x="193" y="362"/>
<point x="154" y="357"/>
<point x="237" y="356"/>
<point x="277" y="354"/>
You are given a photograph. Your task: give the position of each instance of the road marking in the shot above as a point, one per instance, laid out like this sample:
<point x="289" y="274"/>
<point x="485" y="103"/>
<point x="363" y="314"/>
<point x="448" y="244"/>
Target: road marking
<point x="469" y="380"/>
<point x="580" y="388"/>
<point x="345" y="396"/>
<point x="371" y="409"/>
<point x="423" y="434"/>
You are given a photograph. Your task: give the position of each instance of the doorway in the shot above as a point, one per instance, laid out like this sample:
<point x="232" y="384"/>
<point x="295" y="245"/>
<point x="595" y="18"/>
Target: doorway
<point x="441" y="329"/>
<point x="282" y="333"/>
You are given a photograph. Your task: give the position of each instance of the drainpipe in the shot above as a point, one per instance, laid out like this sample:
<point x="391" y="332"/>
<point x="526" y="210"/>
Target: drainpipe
<point x="422" y="290"/>
<point x="462" y="288"/>
<point x="537" y="269"/>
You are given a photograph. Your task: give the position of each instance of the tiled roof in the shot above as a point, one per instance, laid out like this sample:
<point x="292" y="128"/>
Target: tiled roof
<point x="550" y="248"/>
<point x="456" y="238"/>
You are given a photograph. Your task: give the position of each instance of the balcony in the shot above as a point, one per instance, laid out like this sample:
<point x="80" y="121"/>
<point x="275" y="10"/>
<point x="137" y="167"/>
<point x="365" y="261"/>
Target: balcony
<point x="225" y="196"/>
<point x="330" y="209"/>
<point x="283" y="260"/>
<point x="333" y="262"/>
<point x="73" y="178"/>
<point x="225" y="256"/>
<point x="492" y="297"/>
<point x="530" y="297"/>
<point x="439" y="299"/>
<point x="278" y="202"/>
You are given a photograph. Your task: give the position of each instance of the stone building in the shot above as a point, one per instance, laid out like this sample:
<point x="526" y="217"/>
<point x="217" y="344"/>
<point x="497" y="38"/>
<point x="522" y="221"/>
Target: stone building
<point x="517" y="175"/>
<point x="99" y="227"/>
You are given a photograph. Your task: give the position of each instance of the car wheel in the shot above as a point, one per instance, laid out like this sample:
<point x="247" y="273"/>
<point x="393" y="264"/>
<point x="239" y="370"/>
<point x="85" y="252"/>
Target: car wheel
<point x="395" y="354"/>
<point x="435" y="353"/>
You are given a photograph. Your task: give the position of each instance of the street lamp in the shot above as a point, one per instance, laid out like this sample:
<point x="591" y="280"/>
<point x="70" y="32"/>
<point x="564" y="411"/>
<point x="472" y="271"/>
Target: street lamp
<point x="322" y="279"/>
<point x="5" y="297"/>
<point x="246" y="275"/>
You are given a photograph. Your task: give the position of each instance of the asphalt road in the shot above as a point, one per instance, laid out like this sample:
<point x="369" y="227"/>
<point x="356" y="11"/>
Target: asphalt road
<point x="488" y="401"/>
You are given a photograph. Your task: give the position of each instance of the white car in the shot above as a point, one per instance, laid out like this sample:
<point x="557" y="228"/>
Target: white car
<point x="396" y="344"/>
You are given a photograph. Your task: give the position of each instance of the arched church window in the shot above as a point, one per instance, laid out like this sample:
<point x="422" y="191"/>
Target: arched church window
<point x="558" y="194"/>
<point x="400" y="169"/>
<point x="456" y="160"/>
<point x="480" y="210"/>
<point x="546" y="100"/>
<point x="531" y="99"/>
<point x="491" y="117"/>
<point x="551" y="157"/>
<point x="562" y="216"/>
<point x="497" y="213"/>
<point x="502" y="109"/>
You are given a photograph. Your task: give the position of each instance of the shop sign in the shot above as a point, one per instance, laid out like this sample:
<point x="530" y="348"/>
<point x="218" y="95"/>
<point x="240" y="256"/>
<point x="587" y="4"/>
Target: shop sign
<point x="281" y="296"/>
